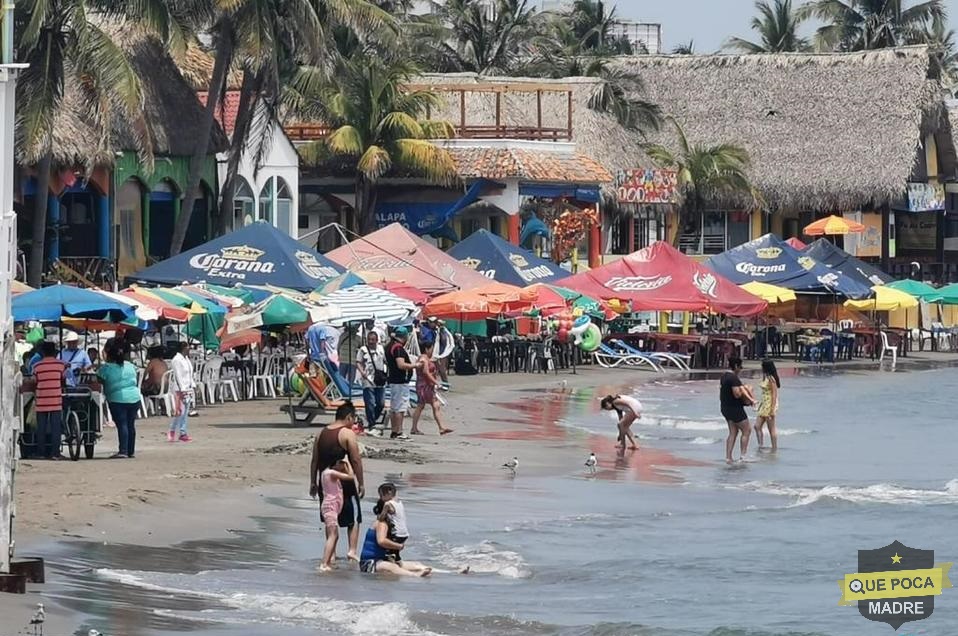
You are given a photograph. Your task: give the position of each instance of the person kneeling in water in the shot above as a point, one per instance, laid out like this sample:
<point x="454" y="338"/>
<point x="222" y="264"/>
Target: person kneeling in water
<point x="386" y="539"/>
<point x="380" y="553"/>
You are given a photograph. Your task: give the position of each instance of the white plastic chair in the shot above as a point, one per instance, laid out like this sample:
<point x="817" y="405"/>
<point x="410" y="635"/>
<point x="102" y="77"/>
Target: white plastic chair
<point x="199" y="379"/>
<point x="885" y="347"/>
<point x="144" y="405"/>
<point x="263" y="381"/>
<point x="164" y="397"/>
<point x="217" y="385"/>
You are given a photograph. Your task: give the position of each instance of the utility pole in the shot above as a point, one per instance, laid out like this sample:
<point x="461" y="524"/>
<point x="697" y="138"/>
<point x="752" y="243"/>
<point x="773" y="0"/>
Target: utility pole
<point x="9" y="368"/>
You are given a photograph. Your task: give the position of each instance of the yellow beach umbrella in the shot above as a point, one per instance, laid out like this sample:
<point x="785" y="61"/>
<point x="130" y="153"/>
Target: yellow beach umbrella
<point x="772" y="294"/>
<point x="832" y="225"/>
<point x="885" y="299"/>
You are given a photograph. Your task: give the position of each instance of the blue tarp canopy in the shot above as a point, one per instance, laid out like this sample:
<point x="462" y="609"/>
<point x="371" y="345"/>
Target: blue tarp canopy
<point x="52" y="303"/>
<point x="837" y="259"/>
<point x="769" y="259"/>
<point x="431" y="217"/>
<point x="533" y="227"/>
<point x="502" y="261"/>
<point x="257" y="254"/>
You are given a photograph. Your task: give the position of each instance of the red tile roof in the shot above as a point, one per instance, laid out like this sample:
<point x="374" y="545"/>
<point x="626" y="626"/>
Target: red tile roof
<point x="530" y="165"/>
<point x="226" y="110"/>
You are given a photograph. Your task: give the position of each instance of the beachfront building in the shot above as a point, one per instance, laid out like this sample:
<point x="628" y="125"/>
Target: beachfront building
<point x="267" y="187"/>
<point x="513" y="144"/>
<point x="862" y="134"/>
<point x="108" y="215"/>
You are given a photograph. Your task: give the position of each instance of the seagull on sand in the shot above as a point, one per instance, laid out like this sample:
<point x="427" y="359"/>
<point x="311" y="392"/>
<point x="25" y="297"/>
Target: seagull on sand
<point x="591" y="463"/>
<point x="37" y="621"/>
<point x="512" y="464"/>
<point x="93" y="632"/>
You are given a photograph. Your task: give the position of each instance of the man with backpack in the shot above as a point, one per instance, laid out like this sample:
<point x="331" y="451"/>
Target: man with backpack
<point x="371" y="366"/>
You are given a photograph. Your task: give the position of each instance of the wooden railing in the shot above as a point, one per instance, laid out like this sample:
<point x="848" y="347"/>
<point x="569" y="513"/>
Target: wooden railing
<point x="465" y="128"/>
<point x="307" y="132"/>
<point x="88" y="271"/>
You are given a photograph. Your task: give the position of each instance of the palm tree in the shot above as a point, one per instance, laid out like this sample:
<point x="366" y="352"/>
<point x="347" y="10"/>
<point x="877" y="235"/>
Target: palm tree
<point x="380" y="127"/>
<point x="559" y="52"/>
<point x="482" y="38"/>
<point x="777" y="24"/>
<point x="705" y="173"/>
<point x="941" y="39"/>
<point x="266" y="74"/>
<point x="63" y="42"/>
<point x="858" y="25"/>
<point x="594" y="27"/>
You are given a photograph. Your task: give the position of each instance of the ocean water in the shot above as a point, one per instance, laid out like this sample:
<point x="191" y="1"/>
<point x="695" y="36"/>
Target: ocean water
<point x="666" y="541"/>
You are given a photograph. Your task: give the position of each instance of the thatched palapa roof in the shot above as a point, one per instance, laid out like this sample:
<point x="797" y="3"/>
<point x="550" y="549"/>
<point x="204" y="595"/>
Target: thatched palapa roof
<point x="824" y="131"/>
<point x="173" y="112"/>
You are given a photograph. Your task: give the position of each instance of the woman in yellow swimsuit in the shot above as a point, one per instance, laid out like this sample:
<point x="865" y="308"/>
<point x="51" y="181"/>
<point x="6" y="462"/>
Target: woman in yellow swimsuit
<point x="768" y="407"/>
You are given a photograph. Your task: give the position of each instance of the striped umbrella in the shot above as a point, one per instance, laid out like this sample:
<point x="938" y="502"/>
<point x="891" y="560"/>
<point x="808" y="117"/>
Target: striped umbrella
<point x="363" y="302"/>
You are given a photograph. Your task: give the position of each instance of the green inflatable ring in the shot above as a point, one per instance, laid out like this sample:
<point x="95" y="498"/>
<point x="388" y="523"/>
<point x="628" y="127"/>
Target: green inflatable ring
<point x="591" y="339"/>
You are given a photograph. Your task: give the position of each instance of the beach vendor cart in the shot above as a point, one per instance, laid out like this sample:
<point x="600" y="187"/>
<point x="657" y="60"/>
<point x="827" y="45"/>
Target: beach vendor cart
<point x="83" y="404"/>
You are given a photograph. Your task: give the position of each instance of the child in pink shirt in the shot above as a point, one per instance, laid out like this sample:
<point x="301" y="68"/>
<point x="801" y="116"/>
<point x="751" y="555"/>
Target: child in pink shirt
<point x="331" y="481"/>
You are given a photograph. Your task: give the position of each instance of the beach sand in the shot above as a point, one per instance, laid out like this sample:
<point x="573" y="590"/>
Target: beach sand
<point x="241" y="451"/>
<point x="244" y="451"/>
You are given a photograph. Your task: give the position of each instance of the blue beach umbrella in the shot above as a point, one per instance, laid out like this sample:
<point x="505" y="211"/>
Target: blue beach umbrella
<point x="53" y="303"/>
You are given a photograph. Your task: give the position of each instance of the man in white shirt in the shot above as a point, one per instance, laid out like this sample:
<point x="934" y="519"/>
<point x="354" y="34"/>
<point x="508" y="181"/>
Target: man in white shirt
<point x="77" y="359"/>
<point x="371" y="367"/>
<point x="183" y="386"/>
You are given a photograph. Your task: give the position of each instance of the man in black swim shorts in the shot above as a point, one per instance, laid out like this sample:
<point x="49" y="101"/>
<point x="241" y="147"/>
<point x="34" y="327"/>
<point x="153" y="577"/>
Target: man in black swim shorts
<point x="734" y="397"/>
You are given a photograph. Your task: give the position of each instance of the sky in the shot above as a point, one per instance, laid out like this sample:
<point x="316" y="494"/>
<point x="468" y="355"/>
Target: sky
<point x="708" y="22"/>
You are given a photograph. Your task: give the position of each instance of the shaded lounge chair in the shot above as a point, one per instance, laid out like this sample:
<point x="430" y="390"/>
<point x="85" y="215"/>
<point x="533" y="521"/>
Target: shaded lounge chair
<point x="316" y="398"/>
<point x="607" y="357"/>
<point x="681" y="360"/>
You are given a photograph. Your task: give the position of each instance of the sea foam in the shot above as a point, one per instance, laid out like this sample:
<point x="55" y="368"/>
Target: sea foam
<point x="889" y="494"/>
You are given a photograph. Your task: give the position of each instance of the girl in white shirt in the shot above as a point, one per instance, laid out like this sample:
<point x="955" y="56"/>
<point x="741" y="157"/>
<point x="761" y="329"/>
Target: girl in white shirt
<point x="629" y="410"/>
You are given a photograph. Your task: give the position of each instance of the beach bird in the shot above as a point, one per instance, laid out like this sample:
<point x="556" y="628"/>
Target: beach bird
<point x="93" y="632"/>
<point x="591" y="463"/>
<point x="512" y="464"/>
<point x="37" y="621"/>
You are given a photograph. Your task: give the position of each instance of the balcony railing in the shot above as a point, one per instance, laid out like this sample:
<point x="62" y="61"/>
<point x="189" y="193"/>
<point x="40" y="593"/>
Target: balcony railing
<point x="465" y="125"/>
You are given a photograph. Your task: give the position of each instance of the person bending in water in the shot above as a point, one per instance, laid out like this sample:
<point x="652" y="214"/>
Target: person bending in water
<point x="629" y="410"/>
<point x="733" y="398"/>
<point x="768" y="407"/>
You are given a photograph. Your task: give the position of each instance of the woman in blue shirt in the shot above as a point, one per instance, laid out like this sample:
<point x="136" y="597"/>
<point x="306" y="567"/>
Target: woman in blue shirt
<point x="123" y="395"/>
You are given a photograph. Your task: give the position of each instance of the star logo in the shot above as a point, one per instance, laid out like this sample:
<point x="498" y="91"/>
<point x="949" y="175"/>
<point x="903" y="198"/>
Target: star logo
<point x="896" y="558"/>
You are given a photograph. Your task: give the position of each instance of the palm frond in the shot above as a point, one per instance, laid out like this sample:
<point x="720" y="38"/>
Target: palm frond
<point x="345" y="140"/>
<point x="437" y="129"/>
<point x="315" y="153"/>
<point x="374" y="163"/>
<point x="396" y="125"/>
<point x="425" y="158"/>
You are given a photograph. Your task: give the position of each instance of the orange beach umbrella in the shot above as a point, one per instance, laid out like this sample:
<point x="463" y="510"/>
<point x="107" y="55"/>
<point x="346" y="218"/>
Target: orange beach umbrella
<point x="831" y="225"/>
<point x="481" y="302"/>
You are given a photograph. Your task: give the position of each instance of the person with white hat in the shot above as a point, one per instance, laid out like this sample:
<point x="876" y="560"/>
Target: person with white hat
<point x="77" y="359"/>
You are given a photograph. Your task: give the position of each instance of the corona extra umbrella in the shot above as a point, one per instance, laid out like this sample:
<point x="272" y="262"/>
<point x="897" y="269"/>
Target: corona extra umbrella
<point x="833" y="225"/>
